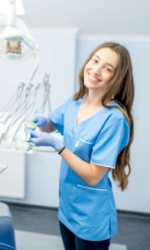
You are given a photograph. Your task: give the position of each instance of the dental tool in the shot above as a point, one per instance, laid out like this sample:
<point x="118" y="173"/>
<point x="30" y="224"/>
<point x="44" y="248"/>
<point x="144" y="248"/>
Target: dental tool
<point x="30" y="126"/>
<point x="33" y="99"/>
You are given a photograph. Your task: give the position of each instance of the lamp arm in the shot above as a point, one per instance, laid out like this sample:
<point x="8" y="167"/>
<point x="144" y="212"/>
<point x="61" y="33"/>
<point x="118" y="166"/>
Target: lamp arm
<point x="3" y="20"/>
<point x="11" y="14"/>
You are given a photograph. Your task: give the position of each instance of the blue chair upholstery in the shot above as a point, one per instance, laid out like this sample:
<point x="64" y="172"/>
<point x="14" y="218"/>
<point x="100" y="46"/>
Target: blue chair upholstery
<point x="7" y="237"/>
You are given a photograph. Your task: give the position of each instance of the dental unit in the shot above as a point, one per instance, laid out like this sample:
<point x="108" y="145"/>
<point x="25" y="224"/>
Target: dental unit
<point x="17" y="45"/>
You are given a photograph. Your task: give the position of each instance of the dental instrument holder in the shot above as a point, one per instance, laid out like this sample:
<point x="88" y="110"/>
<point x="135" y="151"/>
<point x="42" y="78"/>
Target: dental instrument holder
<point x="30" y="126"/>
<point x="2" y="168"/>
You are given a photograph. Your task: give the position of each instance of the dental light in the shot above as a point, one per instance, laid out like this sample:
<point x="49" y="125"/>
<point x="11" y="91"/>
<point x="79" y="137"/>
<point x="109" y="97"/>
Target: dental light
<point x="16" y="43"/>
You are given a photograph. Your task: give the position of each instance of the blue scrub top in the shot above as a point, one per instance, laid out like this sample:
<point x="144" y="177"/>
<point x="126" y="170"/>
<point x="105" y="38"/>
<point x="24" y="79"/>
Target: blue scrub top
<point x="89" y="211"/>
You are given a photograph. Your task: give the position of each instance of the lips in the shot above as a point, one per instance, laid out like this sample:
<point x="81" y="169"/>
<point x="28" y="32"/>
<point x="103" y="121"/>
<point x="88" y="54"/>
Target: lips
<point x="94" y="78"/>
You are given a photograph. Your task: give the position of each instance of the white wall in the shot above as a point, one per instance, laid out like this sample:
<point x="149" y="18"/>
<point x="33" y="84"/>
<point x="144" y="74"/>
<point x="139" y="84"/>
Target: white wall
<point x="91" y="16"/>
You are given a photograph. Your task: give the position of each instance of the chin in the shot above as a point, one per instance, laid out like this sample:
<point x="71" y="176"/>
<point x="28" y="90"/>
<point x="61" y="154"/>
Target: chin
<point x="92" y="86"/>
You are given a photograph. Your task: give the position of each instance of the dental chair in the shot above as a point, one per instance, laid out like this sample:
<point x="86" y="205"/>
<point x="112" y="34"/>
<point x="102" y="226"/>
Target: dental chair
<point x="7" y="237"/>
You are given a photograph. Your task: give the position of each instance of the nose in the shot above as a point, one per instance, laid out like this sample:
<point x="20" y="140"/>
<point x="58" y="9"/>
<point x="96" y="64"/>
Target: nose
<point x="96" y="70"/>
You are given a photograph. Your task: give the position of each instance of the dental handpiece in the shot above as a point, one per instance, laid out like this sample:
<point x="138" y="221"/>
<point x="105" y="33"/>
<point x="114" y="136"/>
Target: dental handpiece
<point x="30" y="126"/>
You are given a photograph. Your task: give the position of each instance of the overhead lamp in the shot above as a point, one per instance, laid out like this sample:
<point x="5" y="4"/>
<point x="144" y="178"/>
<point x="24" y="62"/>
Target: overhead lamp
<point x="16" y="43"/>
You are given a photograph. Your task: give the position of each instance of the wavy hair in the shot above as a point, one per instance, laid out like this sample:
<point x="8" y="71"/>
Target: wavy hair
<point x="122" y="88"/>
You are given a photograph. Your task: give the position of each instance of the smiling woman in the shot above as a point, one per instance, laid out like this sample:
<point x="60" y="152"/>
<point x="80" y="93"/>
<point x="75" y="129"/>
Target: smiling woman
<point x="100" y="69"/>
<point x="115" y="85"/>
<point x="97" y="126"/>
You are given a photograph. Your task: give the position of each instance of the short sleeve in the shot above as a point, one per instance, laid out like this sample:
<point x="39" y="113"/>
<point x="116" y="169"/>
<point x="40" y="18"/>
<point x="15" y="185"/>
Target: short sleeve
<point x="57" y="116"/>
<point x="113" y="137"/>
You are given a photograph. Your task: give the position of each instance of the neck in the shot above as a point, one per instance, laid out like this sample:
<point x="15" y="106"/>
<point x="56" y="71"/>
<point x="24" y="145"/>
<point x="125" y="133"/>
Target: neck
<point x="94" y="99"/>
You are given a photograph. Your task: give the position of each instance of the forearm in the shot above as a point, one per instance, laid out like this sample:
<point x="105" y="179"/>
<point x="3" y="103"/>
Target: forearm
<point x="48" y="128"/>
<point x="87" y="171"/>
<point x="90" y="172"/>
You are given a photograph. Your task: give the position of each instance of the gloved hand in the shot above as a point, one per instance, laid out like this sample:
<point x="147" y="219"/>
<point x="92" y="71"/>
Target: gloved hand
<point x="40" y="120"/>
<point x="45" y="139"/>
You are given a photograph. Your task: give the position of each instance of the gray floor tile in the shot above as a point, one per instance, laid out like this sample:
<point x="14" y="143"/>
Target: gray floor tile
<point x="133" y="231"/>
<point x="30" y="241"/>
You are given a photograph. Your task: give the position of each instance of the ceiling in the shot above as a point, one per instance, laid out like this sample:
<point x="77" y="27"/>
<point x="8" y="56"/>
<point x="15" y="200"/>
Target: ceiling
<point x="91" y="16"/>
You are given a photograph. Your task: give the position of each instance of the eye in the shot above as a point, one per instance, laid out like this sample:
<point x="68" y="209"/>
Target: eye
<point x="108" y="69"/>
<point x="94" y="60"/>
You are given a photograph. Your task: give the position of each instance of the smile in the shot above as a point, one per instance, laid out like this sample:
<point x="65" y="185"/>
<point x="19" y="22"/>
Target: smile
<point x="93" y="78"/>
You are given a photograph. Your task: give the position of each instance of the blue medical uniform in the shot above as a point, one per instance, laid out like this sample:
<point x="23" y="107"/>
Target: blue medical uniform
<point x="89" y="211"/>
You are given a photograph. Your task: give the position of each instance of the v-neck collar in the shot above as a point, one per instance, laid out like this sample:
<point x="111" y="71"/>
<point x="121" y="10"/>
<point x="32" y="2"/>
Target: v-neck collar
<point x="76" y="124"/>
<point x="81" y="101"/>
<point x="88" y="117"/>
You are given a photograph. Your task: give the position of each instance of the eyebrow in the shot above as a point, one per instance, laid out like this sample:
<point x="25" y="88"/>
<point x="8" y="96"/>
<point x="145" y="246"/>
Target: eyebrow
<point x="106" y="63"/>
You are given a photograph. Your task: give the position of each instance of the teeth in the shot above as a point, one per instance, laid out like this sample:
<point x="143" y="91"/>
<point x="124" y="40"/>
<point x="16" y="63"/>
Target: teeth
<point x="93" y="78"/>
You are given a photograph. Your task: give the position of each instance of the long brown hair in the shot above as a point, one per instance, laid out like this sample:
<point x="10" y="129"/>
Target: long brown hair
<point x="122" y="88"/>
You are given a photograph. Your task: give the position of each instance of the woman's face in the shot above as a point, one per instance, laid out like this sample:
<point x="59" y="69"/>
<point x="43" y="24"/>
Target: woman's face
<point x="101" y="68"/>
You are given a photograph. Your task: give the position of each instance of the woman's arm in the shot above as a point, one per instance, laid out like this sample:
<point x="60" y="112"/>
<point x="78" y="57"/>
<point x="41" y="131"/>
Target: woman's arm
<point x="48" y="128"/>
<point x="89" y="172"/>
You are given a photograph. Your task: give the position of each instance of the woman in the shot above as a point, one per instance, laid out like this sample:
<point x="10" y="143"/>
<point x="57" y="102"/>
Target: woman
<point x="97" y="126"/>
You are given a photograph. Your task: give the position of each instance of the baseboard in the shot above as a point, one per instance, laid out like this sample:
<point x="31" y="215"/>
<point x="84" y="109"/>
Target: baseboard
<point x="29" y="206"/>
<point x="133" y="214"/>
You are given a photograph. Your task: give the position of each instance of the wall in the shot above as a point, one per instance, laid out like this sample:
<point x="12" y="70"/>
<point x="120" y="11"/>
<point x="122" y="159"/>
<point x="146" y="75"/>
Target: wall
<point x="62" y="55"/>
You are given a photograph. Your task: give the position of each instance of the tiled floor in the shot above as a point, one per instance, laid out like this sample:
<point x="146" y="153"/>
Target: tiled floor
<point x="133" y="229"/>
<point x="30" y="241"/>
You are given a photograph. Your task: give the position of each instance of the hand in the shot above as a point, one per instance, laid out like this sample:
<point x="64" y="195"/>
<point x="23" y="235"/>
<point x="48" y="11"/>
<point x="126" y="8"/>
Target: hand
<point x="45" y="139"/>
<point x="40" y="120"/>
